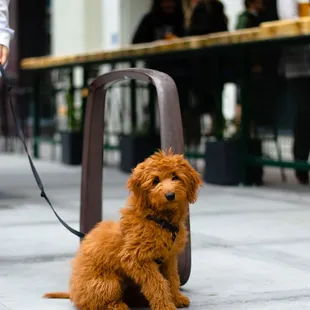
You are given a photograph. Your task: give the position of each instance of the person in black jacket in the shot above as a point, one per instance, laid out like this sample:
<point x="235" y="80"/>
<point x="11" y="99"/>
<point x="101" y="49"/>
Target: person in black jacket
<point x="208" y="17"/>
<point x="165" y="21"/>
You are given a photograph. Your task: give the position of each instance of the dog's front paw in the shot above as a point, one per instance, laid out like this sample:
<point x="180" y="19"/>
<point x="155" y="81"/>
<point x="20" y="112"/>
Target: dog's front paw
<point x="181" y="301"/>
<point x="169" y="306"/>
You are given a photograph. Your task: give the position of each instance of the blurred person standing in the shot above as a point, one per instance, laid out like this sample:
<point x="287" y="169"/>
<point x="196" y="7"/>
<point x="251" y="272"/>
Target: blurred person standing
<point x="6" y="33"/>
<point x="270" y="10"/>
<point x="264" y="65"/>
<point x="208" y="17"/>
<point x="166" y="21"/>
<point x="296" y="67"/>
<point x="251" y="17"/>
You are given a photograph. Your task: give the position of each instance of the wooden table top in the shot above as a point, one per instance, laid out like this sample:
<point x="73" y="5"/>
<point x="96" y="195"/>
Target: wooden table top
<point x="266" y="31"/>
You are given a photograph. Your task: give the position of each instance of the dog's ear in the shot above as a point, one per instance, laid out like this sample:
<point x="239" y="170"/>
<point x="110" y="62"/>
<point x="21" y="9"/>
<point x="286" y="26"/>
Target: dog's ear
<point x="194" y="181"/>
<point x="134" y="181"/>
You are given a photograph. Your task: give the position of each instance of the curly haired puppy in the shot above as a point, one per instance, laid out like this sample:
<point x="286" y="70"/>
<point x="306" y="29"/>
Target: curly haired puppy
<point x="143" y="246"/>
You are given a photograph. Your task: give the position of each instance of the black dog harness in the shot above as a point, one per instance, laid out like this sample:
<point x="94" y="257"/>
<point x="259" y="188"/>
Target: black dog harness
<point x="173" y="229"/>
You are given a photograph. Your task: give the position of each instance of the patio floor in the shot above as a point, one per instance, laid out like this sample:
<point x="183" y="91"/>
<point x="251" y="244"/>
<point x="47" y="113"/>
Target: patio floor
<point x="251" y="246"/>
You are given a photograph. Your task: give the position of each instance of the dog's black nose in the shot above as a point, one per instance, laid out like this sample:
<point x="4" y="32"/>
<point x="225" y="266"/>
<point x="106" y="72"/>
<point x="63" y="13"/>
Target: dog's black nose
<point x="170" y="196"/>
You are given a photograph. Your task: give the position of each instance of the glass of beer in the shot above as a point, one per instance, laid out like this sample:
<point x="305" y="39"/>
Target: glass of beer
<point x="303" y="8"/>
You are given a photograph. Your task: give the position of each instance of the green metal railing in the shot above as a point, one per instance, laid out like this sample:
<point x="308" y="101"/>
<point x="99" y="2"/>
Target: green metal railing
<point x="240" y="52"/>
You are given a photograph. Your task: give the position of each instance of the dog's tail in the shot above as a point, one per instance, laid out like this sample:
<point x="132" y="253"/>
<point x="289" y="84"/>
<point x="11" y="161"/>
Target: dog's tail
<point x="57" y="295"/>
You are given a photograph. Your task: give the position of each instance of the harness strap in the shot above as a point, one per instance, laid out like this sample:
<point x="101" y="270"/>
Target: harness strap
<point x="174" y="229"/>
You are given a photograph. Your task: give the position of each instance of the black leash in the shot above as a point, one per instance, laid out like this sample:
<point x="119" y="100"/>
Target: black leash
<point x="34" y="170"/>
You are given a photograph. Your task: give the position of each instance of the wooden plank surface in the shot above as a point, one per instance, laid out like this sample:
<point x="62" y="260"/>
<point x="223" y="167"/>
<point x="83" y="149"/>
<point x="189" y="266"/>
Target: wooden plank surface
<point x="267" y="31"/>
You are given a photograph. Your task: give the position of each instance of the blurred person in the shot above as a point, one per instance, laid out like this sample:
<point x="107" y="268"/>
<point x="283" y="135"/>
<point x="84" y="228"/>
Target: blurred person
<point x="251" y="17"/>
<point x="208" y="17"/>
<point x="166" y="21"/>
<point x="264" y="84"/>
<point x="188" y="6"/>
<point x="270" y="10"/>
<point x="264" y="62"/>
<point x="296" y="67"/>
<point x="6" y="33"/>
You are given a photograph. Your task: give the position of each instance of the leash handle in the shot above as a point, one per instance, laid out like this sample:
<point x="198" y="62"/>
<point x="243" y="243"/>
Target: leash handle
<point x="32" y="166"/>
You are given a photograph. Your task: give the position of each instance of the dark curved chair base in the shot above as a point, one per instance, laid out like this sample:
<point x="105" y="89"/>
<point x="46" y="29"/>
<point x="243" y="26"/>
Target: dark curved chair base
<point x="170" y="132"/>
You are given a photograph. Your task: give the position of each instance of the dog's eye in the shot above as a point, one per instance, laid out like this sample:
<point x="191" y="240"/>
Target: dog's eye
<point x="175" y="177"/>
<point x="156" y="180"/>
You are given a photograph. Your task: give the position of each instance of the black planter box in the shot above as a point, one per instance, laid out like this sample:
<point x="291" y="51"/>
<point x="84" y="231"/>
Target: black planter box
<point x="134" y="149"/>
<point x="72" y="148"/>
<point x="223" y="163"/>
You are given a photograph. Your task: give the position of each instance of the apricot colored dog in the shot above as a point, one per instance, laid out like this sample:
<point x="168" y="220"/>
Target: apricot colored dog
<point x="143" y="246"/>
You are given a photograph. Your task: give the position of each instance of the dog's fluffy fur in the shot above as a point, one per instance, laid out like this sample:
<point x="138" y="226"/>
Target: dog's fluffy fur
<point x="131" y="248"/>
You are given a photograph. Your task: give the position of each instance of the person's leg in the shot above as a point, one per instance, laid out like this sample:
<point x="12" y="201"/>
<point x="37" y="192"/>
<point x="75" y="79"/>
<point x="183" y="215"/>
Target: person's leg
<point x="299" y="94"/>
<point x="301" y="147"/>
<point x="190" y="114"/>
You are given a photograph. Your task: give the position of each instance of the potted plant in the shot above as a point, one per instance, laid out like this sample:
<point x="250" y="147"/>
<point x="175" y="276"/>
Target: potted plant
<point x="224" y="158"/>
<point x="72" y="136"/>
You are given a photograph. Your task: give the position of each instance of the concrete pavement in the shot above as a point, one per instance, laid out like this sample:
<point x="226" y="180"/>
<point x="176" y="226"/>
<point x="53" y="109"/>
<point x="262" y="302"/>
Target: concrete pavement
<point x="251" y="246"/>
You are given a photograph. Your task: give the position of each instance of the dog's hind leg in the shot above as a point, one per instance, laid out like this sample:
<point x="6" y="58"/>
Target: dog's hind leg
<point x="104" y="292"/>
